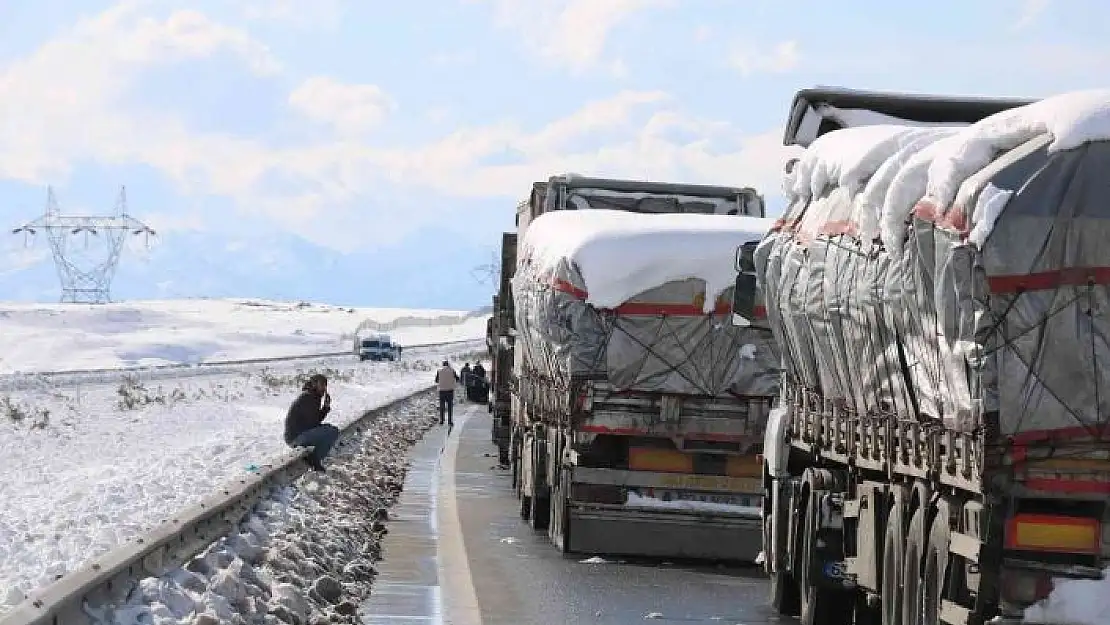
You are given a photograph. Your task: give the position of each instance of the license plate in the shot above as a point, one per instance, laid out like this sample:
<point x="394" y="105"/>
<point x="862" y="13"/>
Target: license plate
<point x="728" y="500"/>
<point x="709" y="482"/>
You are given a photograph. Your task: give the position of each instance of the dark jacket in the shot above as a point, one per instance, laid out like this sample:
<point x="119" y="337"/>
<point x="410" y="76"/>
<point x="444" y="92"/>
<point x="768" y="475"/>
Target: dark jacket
<point x="480" y="371"/>
<point x="304" y="414"/>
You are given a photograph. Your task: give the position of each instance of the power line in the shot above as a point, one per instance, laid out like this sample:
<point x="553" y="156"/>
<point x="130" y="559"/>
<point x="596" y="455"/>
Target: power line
<point x="90" y="281"/>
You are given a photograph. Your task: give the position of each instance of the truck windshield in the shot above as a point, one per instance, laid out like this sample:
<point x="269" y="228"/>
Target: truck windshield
<point x="371" y="344"/>
<point x="651" y="202"/>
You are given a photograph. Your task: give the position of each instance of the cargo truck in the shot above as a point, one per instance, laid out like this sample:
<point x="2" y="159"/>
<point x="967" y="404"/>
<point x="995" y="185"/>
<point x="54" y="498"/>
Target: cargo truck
<point x="637" y="421"/>
<point x="940" y="449"/>
<point x="499" y="339"/>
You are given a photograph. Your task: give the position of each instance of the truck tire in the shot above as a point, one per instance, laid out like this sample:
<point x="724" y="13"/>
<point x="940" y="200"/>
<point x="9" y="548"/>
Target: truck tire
<point x="559" y="526"/>
<point x="541" y="513"/>
<point x="525" y="507"/>
<point x="782" y="590"/>
<point x="818" y="606"/>
<point x="911" y="569"/>
<point x="935" y="569"/>
<point x="894" y="543"/>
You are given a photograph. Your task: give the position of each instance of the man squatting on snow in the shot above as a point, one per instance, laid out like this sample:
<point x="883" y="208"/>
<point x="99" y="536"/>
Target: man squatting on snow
<point x="445" y="380"/>
<point x="304" y="423"/>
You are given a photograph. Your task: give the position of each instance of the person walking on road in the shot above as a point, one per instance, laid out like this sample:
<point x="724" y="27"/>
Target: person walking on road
<point x="445" y="380"/>
<point x="304" y="423"/>
<point x="464" y="374"/>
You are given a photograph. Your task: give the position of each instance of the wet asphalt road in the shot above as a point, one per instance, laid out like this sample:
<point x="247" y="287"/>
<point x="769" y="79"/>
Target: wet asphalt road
<point x="519" y="577"/>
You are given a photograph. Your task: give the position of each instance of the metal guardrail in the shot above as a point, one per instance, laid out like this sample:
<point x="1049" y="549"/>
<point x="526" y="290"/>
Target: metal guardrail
<point x="110" y="577"/>
<point x="212" y="363"/>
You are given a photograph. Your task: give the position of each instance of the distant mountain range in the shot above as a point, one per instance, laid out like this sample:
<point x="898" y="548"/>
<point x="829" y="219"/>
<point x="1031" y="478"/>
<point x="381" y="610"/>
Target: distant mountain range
<point x="433" y="268"/>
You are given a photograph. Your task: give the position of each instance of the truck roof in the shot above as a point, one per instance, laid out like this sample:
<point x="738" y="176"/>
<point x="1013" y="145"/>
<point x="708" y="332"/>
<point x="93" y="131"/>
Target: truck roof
<point x="806" y="120"/>
<point x="619" y="254"/>
<point x="572" y="181"/>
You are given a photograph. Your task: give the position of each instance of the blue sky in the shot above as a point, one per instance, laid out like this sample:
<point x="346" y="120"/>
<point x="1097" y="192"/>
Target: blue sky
<point x="370" y="152"/>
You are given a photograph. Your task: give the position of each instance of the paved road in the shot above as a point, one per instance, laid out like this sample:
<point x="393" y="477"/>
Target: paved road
<point x="458" y="553"/>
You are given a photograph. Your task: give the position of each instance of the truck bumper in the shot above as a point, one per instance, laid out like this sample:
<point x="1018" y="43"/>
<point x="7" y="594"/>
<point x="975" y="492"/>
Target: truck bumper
<point x="620" y="530"/>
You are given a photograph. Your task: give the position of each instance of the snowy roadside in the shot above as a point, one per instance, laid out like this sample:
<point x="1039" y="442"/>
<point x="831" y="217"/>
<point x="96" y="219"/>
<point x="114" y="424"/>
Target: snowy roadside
<point x="89" y="467"/>
<point x="307" y="553"/>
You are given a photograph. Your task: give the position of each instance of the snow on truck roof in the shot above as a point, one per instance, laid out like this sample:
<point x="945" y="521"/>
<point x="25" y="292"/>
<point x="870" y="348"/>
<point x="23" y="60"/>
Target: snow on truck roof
<point x="892" y="167"/>
<point x="621" y="254"/>
<point x="819" y="110"/>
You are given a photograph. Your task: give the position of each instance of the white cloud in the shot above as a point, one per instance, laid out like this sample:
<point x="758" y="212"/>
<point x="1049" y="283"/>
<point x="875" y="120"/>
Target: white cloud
<point x="570" y="33"/>
<point x="294" y="12"/>
<point x="454" y="59"/>
<point x="351" y="109"/>
<point x="71" y="100"/>
<point x="69" y="95"/>
<point x="1031" y="10"/>
<point x="781" y="58"/>
<point x="703" y="33"/>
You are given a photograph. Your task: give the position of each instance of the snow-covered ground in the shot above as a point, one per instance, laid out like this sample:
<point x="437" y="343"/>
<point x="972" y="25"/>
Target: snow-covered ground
<point x="92" y="461"/>
<point x="54" y="337"/>
<point x="308" y="552"/>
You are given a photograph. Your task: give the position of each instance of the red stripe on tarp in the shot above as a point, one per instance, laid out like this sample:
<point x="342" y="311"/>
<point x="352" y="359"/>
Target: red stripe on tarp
<point x="925" y="210"/>
<point x="633" y="309"/>
<point x="783" y="224"/>
<point x="840" y="227"/>
<point x="1097" y="432"/>
<point x="566" y="287"/>
<point x="954" y="219"/>
<point x="1043" y="280"/>
<point x="693" y="436"/>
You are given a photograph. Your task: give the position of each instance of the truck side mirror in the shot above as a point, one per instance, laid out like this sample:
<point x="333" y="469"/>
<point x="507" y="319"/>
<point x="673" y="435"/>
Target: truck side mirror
<point x="744" y="293"/>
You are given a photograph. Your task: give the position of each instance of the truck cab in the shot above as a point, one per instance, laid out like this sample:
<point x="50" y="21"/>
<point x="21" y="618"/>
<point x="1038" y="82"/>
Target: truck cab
<point x="377" y="347"/>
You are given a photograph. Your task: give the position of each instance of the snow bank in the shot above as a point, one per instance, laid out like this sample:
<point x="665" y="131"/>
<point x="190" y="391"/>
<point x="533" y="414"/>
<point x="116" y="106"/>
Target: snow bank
<point x="51" y="337"/>
<point x="621" y="254"/>
<point x="89" y="467"/>
<point x="308" y="552"/>
<point x="1074" y="601"/>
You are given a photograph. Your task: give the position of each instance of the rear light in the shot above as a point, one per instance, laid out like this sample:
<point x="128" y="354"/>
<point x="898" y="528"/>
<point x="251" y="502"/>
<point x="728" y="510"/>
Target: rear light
<point x="1054" y="533"/>
<point x="1023" y="587"/>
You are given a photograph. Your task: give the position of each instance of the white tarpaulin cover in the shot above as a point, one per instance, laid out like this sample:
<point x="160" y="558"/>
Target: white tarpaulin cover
<point x="640" y="300"/>
<point x="955" y="274"/>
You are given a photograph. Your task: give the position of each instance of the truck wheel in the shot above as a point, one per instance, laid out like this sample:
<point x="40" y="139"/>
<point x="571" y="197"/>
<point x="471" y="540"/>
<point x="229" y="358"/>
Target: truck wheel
<point x="783" y="592"/>
<point x="541" y="513"/>
<point x="818" y="606"/>
<point x="911" y="570"/>
<point x="936" y="568"/>
<point x="558" y="530"/>
<point x="525" y="507"/>
<point x="893" y="543"/>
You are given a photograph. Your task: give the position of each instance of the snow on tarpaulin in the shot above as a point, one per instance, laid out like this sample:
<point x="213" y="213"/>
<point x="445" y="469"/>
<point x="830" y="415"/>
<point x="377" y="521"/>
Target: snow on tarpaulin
<point x="1070" y="119"/>
<point x="641" y="300"/>
<point x="620" y="254"/>
<point x="982" y="316"/>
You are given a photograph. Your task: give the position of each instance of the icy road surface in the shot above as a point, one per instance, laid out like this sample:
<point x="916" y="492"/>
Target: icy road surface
<point x="456" y="546"/>
<point x="88" y="466"/>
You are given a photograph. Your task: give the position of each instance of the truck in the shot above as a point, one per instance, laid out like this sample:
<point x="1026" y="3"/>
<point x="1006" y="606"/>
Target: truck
<point x="636" y="422"/>
<point x="376" y="347"/>
<point x="500" y="338"/>
<point x="940" y="448"/>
